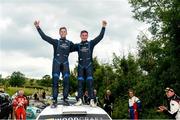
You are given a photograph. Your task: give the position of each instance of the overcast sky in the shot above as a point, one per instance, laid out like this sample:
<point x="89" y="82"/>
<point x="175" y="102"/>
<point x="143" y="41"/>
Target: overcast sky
<point x="22" y="49"/>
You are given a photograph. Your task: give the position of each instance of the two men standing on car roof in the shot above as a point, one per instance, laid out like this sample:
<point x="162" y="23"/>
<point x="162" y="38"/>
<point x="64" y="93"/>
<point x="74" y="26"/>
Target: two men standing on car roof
<point x="62" y="48"/>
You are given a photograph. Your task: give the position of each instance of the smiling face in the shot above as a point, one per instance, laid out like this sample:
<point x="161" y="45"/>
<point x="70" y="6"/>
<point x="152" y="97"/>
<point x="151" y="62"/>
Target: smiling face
<point x="63" y="32"/>
<point x="84" y="35"/>
<point x="21" y="92"/>
<point x="131" y="94"/>
<point x="169" y="93"/>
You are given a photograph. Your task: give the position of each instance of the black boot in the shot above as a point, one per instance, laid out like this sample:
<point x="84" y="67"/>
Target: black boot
<point x="65" y="102"/>
<point x="54" y="104"/>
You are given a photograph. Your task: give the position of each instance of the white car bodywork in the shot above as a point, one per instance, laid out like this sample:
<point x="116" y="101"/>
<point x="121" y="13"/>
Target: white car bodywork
<point x="83" y="112"/>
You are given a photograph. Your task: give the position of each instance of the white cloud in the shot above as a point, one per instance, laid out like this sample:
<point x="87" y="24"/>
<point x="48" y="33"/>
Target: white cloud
<point x="22" y="48"/>
<point x="5" y="23"/>
<point x="16" y="61"/>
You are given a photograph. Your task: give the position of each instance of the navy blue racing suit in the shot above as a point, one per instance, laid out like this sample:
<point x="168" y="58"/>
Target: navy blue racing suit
<point x="62" y="48"/>
<point x="85" y="68"/>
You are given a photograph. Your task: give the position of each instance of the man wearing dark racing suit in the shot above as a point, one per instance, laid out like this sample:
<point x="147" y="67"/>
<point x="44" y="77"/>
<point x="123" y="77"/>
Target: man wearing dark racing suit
<point x="62" y="48"/>
<point x="85" y="51"/>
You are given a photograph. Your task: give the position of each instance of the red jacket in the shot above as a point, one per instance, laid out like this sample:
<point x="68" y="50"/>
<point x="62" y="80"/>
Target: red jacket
<point x="20" y="102"/>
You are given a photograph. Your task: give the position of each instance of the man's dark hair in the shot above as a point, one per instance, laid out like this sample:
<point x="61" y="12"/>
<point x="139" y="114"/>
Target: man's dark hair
<point x="62" y="28"/>
<point x="84" y="31"/>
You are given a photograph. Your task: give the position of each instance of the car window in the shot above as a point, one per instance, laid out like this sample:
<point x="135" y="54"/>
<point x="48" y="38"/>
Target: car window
<point x="75" y="117"/>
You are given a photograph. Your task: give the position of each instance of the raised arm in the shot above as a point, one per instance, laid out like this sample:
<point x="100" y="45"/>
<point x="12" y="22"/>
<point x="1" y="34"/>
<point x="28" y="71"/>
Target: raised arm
<point x="101" y="35"/>
<point x="43" y="36"/>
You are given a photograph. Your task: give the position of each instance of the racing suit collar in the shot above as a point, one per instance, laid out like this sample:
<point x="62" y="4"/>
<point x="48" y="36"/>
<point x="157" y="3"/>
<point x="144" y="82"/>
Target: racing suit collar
<point x="84" y="41"/>
<point x="62" y="38"/>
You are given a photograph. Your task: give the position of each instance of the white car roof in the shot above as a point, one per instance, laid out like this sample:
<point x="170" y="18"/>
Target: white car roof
<point x="73" y="110"/>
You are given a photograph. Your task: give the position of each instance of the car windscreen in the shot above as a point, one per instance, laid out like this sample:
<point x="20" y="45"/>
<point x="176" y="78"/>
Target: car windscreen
<point x="75" y="117"/>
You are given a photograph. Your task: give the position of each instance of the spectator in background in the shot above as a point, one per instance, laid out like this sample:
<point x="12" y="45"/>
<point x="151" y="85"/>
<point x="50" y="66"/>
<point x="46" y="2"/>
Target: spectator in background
<point x="134" y="105"/>
<point x="97" y="101"/>
<point x="44" y="95"/>
<point x="86" y="99"/>
<point x="173" y="109"/>
<point x="108" y="102"/>
<point x="19" y="104"/>
<point x="36" y="96"/>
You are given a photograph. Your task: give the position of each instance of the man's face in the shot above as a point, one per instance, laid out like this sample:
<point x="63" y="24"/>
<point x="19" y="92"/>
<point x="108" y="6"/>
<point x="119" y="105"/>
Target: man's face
<point x="84" y="36"/>
<point x="108" y="92"/>
<point x="95" y="92"/>
<point x="86" y="93"/>
<point x="63" y="33"/>
<point x="131" y="94"/>
<point x="21" y="92"/>
<point x="169" y="93"/>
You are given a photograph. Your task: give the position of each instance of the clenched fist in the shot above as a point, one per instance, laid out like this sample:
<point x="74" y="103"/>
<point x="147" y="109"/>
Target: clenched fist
<point x="36" y="23"/>
<point x="104" y="23"/>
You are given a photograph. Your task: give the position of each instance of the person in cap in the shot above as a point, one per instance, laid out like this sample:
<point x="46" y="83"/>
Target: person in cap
<point x="173" y="109"/>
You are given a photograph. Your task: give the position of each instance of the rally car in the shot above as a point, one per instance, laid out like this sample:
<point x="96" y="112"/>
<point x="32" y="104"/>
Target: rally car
<point x="72" y="112"/>
<point x="83" y="112"/>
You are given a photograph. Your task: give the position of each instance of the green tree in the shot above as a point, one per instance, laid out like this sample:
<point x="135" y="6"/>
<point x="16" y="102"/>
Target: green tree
<point x="17" y="79"/>
<point x="164" y="17"/>
<point x="127" y="74"/>
<point x="31" y="82"/>
<point x="159" y="56"/>
<point x="46" y="81"/>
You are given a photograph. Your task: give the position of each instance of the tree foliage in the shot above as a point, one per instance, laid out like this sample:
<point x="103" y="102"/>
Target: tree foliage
<point x="17" y="79"/>
<point x="162" y="51"/>
<point x="156" y="66"/>
<point x="158" y="56"/>
<point x="46" y="81"/>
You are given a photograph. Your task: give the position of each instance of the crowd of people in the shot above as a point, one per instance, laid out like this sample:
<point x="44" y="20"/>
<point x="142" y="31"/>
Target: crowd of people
<point x="135" y="105"/>
<point x="20" y="103"/>
<point x="38" y="96"/>
<point x="15" y="106"/>
<point x="62" y="48"/>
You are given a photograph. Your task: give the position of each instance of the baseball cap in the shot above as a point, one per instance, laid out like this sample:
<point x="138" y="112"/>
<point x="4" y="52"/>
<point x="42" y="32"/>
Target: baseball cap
<point x="168" y="89"/>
